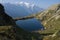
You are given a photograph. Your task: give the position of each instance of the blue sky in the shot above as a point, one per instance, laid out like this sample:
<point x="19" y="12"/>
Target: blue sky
<point x="40" y="3"/>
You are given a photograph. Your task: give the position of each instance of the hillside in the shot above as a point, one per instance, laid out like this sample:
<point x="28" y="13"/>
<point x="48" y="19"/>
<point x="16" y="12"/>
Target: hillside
<point x="50" y="19"/>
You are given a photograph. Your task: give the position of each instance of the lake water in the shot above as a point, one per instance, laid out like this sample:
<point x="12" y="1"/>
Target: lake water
<point x="30" y="25"/>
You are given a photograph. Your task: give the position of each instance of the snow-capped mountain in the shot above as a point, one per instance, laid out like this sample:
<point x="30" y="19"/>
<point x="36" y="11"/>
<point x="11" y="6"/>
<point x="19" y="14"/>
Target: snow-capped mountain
<point x="21" y="8"/>
<point x="28" y="5"/>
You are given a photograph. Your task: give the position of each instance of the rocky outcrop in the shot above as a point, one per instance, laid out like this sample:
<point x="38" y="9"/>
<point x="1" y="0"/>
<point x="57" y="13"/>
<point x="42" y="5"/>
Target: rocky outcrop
<point x="51" y="14"/>
<point x="50" y="18"/>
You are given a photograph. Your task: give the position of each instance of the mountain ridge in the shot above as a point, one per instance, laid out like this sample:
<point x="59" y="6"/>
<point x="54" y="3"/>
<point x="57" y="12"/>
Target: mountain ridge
<point x="23" y="9"/>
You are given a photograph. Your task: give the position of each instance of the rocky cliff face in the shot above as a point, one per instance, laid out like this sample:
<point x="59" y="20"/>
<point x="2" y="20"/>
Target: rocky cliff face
<point x="7" y="26"/>
<point x="50" y="19"/>
<point x="49" y="16"/>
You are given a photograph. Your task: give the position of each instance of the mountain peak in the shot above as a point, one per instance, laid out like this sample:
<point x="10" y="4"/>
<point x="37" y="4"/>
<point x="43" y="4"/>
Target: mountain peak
<point x="28" y="5"/>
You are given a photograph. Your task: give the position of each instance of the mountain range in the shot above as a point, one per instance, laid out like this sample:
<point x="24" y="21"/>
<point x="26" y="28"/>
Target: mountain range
<point x="21" y="9"/>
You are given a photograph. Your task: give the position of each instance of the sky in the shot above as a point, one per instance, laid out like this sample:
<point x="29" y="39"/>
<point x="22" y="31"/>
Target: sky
<point x="40" y="3"/>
